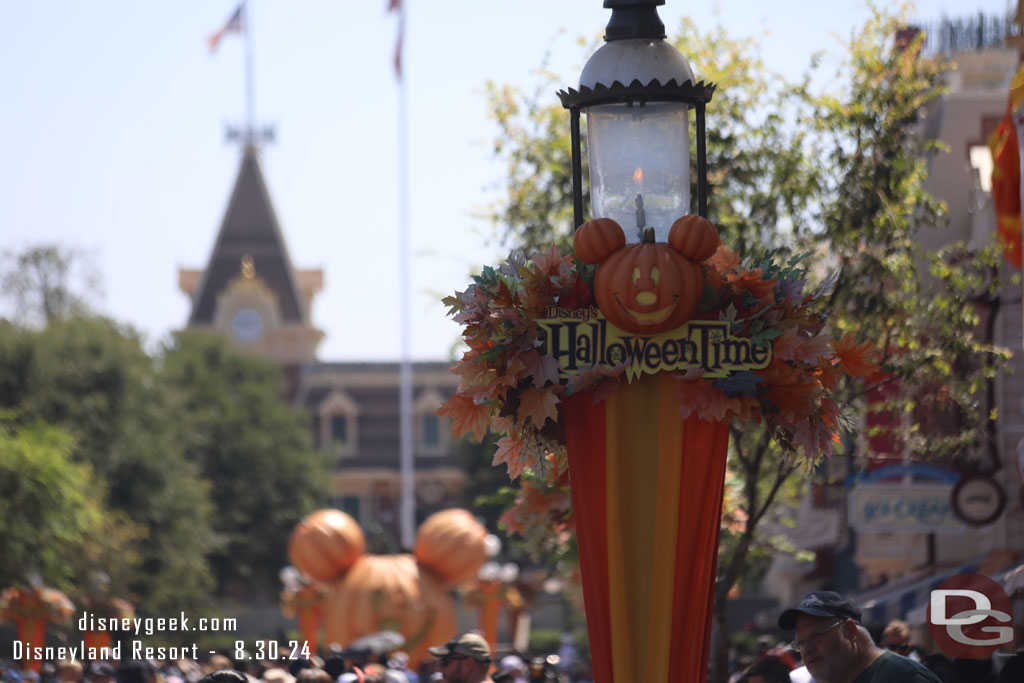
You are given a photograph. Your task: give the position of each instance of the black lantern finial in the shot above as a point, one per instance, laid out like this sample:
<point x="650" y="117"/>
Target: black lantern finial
<point x="634" y="19"/>
<point x="636" y="91"/>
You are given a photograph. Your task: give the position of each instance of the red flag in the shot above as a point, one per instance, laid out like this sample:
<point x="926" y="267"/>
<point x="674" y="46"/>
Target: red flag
<point x="1006" y="185"/>
<point x="232" y="25"/>
<point x="396" y="6"/>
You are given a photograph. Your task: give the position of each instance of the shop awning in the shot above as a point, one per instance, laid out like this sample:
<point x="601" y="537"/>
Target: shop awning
<point x="898" y="599"/>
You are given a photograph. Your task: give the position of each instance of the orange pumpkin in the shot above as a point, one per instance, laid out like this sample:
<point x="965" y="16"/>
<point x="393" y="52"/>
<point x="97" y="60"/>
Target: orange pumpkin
<point x="694" y="237"/>
<point x="451" y="543"/>
<point x="648" y="288"/>
<point x="595" y="239"/>
<point x="325" y="544"/>
<point x="390" y="592"/>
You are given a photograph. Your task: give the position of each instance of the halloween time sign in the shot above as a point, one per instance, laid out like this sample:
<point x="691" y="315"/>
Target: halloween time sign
<point x="580" y="339"/>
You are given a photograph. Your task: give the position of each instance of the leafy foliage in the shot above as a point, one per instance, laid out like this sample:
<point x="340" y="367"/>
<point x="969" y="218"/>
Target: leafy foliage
<point x="53" y="518"/>
<point x="253" y="451"/>
<point x="191" y="469"/>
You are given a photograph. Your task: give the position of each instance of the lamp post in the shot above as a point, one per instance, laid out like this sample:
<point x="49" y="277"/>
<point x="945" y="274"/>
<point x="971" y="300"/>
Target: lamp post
<point x="492" y="579"/>
<point x="646" y="485"/>
<point x="636" y="92"/>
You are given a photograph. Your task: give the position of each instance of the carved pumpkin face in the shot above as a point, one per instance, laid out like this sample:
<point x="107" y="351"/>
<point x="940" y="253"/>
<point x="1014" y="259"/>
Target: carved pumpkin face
<point x="390" y="592"/>
<point x="648" y="288"/>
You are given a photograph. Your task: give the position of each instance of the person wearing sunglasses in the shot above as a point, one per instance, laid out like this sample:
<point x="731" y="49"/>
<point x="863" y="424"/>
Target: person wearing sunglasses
<point x="836" y="648"/>
<point x="464" y="659"/>
<point x="896" y="637"/>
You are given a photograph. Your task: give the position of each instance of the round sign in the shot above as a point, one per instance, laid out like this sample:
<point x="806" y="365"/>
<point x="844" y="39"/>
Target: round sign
<point x="969" y="616"/>
<point x="978" y="500"/>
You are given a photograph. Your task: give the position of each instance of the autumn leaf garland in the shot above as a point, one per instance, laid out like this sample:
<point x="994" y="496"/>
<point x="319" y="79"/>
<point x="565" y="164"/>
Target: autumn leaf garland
<point x="508" y="385"/>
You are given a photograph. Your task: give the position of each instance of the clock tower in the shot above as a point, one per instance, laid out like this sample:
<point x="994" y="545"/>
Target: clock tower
<point x="249" y="292"/>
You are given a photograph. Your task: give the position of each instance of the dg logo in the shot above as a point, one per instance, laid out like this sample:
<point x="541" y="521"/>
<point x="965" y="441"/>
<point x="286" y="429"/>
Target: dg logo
<point x="969" y="616"/>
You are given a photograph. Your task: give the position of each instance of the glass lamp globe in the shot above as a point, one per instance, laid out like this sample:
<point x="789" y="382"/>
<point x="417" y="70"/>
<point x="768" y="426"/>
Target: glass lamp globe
<point x="639" y="151"/>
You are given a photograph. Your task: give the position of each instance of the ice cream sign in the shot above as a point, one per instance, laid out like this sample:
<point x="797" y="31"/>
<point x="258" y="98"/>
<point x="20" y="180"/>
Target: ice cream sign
<point x="903" y="508"/>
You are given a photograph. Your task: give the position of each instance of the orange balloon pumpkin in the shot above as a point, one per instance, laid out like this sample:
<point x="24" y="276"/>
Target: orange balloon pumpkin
<point x="451" y="543"/>
<point x="648" y="288"/>
<point x="390" y="592"/>
<point x="694" y="237"/>
<point x="595" y="239"/>
<point x="325" y="544"/>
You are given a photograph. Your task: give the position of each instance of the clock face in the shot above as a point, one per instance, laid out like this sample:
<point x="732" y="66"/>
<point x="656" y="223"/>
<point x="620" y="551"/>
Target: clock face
<point x="247" y="325"/>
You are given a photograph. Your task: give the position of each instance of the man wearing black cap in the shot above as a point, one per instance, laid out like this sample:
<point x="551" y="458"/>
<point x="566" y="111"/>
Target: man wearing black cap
<point x="464" y="659"/>
<point x="837" y="649"/>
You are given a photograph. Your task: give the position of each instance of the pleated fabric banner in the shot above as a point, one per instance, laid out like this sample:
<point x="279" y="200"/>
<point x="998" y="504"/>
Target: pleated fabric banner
<point x="647" y="499"/>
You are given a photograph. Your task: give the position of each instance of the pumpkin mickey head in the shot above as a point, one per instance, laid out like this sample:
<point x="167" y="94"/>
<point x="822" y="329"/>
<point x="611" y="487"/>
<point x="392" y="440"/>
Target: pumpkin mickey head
<point x="407" y="593"/>
<point x="648" y="287"/>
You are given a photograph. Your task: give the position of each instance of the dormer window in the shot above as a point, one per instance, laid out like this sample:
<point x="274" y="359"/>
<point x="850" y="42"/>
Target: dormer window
<point x="339" y="431"/>
<point x="339" y="424"/>
<point x="432" y="432"/>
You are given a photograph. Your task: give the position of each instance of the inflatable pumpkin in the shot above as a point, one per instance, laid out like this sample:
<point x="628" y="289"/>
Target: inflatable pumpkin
<point x="452" y="543"/>
<point x="648" y="287"/>
<point x="390" y="592"/>
<point x="325" y="544"/>
<point x="406" y="593"/>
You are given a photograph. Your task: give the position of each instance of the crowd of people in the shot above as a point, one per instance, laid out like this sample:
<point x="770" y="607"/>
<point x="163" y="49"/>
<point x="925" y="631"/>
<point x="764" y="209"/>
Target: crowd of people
<point x="830" y="645"/>
<point x="464" y="659"/>
<point x="833" y="646"/>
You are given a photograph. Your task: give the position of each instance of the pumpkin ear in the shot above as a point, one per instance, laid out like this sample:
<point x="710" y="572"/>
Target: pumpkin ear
<point x="694" y="237"/>
<point x="325" y="544"/>
<point x="451" y="543"/>
<point x="596" y="239"/>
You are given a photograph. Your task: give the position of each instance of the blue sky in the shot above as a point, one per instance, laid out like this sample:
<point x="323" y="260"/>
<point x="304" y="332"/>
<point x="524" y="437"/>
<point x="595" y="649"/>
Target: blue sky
<point x="113" y="115"/>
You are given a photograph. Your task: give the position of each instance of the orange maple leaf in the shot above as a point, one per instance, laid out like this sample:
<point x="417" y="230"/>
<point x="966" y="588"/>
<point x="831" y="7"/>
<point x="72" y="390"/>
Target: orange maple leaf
<point x="785" y="345"/>
<point x="790" y="389"/>
<point x="827" y="373"/>
<point x="699" y="397"/>
<point x="507" y="452"/>
<point x="855" y="359"/>
<point x="548" y="263"/>
<point x="466" y="416"/>
<point x="813" y="348"/>
<point x="753" y="282"/>
<point x="724" y="258"/>
<point x="539" y="405"/>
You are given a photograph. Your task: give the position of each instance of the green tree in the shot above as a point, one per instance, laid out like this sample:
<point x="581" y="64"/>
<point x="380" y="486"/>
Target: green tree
<point x="53" y="519"/>
<point x="92" y="378"/>
<point x="856" y="215"/>
<point x="46" y="282"/>
<point x="252" y="448"/>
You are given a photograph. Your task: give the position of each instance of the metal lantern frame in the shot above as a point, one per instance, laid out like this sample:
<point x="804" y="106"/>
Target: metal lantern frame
<point x="637" y="94"/>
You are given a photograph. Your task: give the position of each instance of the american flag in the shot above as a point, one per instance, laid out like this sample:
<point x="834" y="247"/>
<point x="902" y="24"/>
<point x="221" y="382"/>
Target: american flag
<point x="232" y="25"/>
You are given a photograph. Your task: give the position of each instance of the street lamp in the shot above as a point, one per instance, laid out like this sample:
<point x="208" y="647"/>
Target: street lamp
<point x="636" y="91"/>
<point x="493" y="580"/>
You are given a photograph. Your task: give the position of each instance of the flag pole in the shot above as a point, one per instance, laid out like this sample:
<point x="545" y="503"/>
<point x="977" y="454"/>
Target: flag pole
<point x="407" y="507"/>
<point x="250" y="123"/>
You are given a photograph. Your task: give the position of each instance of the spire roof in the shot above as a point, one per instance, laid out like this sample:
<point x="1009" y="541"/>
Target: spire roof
<point x="250" y="228"/>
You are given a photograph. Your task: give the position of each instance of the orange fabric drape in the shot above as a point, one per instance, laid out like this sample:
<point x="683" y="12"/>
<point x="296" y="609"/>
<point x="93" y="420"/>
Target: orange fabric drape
<point x="490" y="604"/>
<point x="31" y="631"/>
<point x="647" y="497"/>
<point x="1006" y="185"/>
<point x="96" y="639"/>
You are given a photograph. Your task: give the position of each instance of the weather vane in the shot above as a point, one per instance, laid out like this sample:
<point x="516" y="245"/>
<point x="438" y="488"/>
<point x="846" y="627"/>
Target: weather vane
<point x="249" y="135"/>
